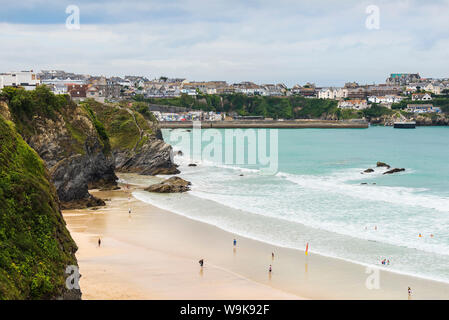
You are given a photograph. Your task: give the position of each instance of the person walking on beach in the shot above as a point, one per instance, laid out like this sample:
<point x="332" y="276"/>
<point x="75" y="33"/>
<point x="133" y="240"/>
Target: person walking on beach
<point x="201" y="262"/>
<point x="272" y="256"/>
<point x="270" y="269"/>
<point x="129" y="211"/>
<point x="99" y="242"/>
<point x="235" y="242"/>
<point x="409" y="290"/>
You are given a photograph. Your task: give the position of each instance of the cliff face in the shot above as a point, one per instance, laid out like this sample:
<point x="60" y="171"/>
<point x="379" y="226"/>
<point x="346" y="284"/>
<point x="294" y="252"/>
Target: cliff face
<point x="35" y="246"/>
<point x="136" y="140"/>
<point x="69" y="139"/>
<point x="420" y="119"/>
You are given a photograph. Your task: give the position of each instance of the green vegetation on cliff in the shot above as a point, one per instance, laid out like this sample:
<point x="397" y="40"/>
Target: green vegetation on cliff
<point x="29" y="107"/>
<point x="123" y="125"/>
<point x="35" y="246"/>
<point x="291" y="107"/>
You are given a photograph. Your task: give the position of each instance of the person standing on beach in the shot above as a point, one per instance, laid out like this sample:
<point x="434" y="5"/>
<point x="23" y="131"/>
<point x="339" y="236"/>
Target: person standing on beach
<point x="409" y="290"/>
<point x="272" y="256"/>
<point x="129" y="211"/>
<point x="99" y="242"/>
<point x="201" y="262"/>
<point x="270" y="269"/>
<point x="235" y="242"/>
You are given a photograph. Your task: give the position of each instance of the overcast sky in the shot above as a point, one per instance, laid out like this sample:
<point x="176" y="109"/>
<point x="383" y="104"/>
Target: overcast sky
<point x="292" y="41"/>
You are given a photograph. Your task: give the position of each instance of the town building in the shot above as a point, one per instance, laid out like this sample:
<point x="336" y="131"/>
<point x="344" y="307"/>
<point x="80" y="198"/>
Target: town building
<point x="402" y="78"/>
<point x="77" y="92"/>
<point x="422" y="108"/>
<point x="357" y="104"/>
<point x="333" y="93"/>
<point x="25" y="79"/>
<point x="421" y="97"/>
<point x="387" y="100"/>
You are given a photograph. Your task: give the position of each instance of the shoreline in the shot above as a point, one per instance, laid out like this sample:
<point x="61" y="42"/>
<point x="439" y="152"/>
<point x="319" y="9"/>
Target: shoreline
<point x="184" y="241"/>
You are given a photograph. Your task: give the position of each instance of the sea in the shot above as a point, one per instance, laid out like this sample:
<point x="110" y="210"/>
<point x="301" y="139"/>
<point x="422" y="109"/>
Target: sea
<point x="318" y="193"/>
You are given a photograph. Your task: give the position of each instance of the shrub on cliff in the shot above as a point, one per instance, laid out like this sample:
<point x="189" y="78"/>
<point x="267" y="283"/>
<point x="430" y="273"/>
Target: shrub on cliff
<point x="35" y="246"/>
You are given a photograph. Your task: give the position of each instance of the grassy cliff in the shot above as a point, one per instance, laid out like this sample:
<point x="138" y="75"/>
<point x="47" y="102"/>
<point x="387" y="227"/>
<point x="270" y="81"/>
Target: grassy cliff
<point x="126" y="128"/>
<point x="35" y="246"/>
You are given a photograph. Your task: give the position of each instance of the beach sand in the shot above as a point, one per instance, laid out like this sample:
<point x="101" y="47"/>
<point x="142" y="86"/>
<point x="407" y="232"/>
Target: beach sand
<point x="153" y="254"/>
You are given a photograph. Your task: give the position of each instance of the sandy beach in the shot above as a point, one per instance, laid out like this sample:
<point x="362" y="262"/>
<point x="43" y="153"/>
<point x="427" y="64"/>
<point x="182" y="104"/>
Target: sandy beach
<point x="153" y="254"/>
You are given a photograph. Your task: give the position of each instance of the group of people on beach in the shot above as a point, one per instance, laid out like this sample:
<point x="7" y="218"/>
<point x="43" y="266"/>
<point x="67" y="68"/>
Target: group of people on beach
<point x="385" y="262"/>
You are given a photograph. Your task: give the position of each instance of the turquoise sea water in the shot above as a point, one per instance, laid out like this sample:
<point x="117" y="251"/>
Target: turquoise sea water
<point x="316" y="196"/>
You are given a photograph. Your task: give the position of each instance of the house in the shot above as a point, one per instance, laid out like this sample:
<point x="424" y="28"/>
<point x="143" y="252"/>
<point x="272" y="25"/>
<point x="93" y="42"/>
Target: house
<point x="249" y="88"/>
<point x="383" y="90"/>
<point x="25" y="79"/>
<point x="434" y="88"/>
<point x="357" y="93"/>
<point x="422" y="108"/>
<point x="95" y="93"/>
<point x="77" y="92"/>
<point x="357" y="104"/>
<point x="421" y="97"/>
<point x="388" y="99"/>
<point x="333" y="93"/>
<point x="59" y="85"/>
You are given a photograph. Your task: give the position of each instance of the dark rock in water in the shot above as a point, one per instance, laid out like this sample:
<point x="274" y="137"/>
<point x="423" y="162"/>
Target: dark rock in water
<point x="241" y="175"/>
<point x="192" y="165"/>
<point x="179" y="153"/>
<point x="374" y="183"/>
<point x="382" y="164"/>
<point x="368" y="170"/>
<point x="171" y="185"/>
<point x="394" y="170"/>
<point x="364" y="183"/>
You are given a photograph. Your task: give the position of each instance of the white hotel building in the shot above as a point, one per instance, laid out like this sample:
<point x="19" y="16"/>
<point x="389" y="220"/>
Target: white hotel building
<point x="26" y="79"/>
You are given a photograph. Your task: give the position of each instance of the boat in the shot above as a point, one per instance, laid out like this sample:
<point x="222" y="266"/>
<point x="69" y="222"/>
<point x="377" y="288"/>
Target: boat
<point x="405" y="125"/>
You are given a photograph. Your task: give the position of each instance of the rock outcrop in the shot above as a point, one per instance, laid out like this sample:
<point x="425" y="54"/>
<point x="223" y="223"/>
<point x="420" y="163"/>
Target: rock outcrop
<point x="136" y="141"/>
<point x="382" y="164"/>
<point x="171" y="185"/>
<point x="152" y="158"/>
<point x="395" y="170"/>
<point x="71" y="142"/>
<point x="368" y="170"/>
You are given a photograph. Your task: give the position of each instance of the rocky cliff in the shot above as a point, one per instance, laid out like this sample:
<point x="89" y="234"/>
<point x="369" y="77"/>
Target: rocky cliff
<point x="35" y="246"/>
<point x="420" y="119"/>
<point x="70" y="140"/>
<point x="135" y="139"/>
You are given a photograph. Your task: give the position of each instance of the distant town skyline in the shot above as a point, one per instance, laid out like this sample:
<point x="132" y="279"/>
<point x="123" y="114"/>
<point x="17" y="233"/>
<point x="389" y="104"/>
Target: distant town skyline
<point x="292" y="42"/>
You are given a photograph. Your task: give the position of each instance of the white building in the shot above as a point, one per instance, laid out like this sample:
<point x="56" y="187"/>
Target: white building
<point x="388" y="99"/>
<point x="26" y="79"/>
<point x="421" y="97"/>
<point x="333" y="93"/>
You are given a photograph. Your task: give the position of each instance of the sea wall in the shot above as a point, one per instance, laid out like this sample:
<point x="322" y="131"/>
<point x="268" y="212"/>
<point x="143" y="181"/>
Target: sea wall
<point x="290" y="124"/>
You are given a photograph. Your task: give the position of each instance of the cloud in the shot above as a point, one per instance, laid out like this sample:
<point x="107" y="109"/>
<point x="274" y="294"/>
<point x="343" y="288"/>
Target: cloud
<point x="264" y="41"/>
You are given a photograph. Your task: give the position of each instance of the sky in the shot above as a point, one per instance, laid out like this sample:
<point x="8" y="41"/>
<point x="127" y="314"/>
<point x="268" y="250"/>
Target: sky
<point x="326" y="42"/>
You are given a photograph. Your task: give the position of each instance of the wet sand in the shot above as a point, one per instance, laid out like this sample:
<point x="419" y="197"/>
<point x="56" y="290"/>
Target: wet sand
<point x="153" y="254"/>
